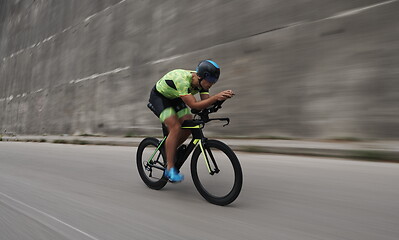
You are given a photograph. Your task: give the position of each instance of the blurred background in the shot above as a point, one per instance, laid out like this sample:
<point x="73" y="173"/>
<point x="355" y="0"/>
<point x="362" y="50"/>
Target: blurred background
<point x="319" y="69"/>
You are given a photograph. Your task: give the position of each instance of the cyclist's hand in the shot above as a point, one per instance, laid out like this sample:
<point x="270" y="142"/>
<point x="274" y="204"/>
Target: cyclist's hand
<point x="224" y="95"/>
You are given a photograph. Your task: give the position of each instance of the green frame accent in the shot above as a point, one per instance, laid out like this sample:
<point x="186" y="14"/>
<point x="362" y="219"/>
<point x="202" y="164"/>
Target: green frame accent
<point x="159" y="145"/>
<point x="197" y="126"/>
<point x="199" y="141"/>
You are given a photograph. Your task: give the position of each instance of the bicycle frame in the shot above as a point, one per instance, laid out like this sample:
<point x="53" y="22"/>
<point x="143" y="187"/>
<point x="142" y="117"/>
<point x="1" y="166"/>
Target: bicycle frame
<point x="196" y="126"/>
<point x="197" y="140"/>
<point x="200" y="147"/>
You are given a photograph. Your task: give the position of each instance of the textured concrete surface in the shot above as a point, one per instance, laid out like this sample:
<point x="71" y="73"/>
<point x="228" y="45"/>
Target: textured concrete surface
<point x="312" y="69"/>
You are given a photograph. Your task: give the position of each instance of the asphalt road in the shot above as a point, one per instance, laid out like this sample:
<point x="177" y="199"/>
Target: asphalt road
<point x="52" y="191"/>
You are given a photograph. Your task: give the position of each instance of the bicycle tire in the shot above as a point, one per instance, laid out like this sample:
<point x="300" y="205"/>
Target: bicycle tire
<point x="232" y="159"/>
<point x="147" y="147"/>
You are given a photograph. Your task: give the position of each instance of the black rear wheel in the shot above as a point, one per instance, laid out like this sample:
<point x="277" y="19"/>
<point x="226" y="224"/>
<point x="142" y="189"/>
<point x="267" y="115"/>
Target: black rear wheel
<point x="221" y="182"/>
<point x="151" y="163"/>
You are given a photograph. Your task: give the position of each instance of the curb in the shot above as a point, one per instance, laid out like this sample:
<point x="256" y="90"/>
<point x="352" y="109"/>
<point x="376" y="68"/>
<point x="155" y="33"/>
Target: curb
<point x="375" y="155"/>
<point x="355" y="154"/>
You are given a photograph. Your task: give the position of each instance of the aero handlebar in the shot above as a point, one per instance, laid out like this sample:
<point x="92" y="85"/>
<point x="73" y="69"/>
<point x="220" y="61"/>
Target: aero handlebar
<point x="204" y="113"/>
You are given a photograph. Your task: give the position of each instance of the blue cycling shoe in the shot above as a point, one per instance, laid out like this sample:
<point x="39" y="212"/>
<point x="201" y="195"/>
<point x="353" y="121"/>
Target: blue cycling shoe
<point x="173" y="175"/>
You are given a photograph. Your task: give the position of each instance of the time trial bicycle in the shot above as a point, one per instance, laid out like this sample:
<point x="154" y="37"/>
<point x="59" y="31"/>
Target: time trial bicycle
<point x="215" y="169"/>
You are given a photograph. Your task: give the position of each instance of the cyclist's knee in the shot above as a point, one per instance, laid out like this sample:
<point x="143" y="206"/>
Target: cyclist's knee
<point x="185" y="117"/>
<point x="175" y="128"/>
<point x="172" y="123"/>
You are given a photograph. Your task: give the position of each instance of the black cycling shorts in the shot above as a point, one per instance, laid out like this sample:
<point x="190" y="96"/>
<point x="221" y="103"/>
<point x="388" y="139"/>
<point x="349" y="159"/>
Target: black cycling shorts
<point x="163" y="107"/>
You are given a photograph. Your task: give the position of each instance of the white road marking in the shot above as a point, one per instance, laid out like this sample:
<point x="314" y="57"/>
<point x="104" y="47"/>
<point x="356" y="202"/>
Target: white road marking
<point x="49" y="216"/>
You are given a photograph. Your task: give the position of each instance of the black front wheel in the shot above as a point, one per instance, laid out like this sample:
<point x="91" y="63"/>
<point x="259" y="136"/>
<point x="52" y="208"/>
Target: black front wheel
<point x="216" y="172"/>
<point x="151" y="163"/>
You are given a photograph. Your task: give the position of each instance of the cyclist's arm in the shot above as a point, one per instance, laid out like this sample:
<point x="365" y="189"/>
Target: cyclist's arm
<point x="193" y="104"/>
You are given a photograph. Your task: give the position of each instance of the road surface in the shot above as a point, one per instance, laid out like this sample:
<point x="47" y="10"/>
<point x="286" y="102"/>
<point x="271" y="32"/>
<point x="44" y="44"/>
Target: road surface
<point x="55" y="191"/>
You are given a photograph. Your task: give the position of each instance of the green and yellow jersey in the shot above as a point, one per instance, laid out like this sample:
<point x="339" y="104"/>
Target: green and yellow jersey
<point x="177" y="83"/>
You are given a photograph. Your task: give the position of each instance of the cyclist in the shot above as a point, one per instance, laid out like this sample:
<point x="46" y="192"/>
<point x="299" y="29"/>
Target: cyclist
<point x="169" y="100"/>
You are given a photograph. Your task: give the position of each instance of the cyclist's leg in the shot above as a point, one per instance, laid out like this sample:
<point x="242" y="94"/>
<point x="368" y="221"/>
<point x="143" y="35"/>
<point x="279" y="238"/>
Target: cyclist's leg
<point x="163" y="109"/>
<point x="177" y="135"/>
<point x="171" y="144"/>
<point x="166" y="110"/>
<point x="173" y="124"/>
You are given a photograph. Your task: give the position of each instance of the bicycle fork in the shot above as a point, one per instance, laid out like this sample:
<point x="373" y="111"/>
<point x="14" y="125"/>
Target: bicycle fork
<point x="206" y="154"/>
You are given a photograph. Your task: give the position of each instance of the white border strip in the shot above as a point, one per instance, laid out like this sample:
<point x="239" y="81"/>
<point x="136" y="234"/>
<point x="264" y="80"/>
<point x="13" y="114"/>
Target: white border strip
<point x="359" y="10"/>
<point x="99" y="75"/>
<point x="49" y="216"/>
<point x="295" y="24"/>
<point x="94" y="76"/>
<point x="66" y="29"/>
<point x="104" y="10"/>
<point x="168" y="58"/>
<point x="339" y="15"/>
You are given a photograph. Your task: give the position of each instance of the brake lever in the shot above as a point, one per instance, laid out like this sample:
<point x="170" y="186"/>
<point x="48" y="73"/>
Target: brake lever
<point x="221" y="119"/>
<point x="228" y="122"/>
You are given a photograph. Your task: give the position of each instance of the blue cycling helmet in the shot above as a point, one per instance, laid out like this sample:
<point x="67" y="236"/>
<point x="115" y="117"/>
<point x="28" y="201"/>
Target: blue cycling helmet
<point x="208" y="70"/>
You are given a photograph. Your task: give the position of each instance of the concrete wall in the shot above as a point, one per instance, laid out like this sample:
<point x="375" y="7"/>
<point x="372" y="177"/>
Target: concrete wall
<point x="304" y="68"/>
